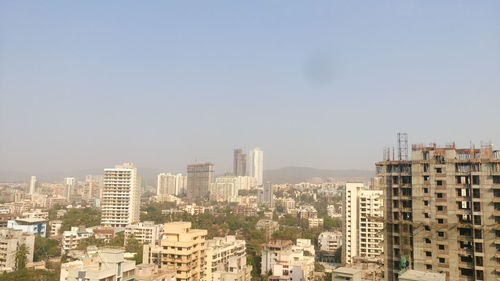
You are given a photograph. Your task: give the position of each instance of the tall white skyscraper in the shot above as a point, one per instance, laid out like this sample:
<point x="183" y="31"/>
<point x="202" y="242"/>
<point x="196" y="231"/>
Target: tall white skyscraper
<point x="361" y="230"/>
<point x="120" y="196"/>
<point x="33" y="182"/>
<point x="171" y="184"/>
<point x="256" y="165"/>
<point x="69" y="186"/>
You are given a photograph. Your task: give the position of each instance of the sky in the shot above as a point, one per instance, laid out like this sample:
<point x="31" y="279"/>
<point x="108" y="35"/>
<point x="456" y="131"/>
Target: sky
<point x="323" y="84"/>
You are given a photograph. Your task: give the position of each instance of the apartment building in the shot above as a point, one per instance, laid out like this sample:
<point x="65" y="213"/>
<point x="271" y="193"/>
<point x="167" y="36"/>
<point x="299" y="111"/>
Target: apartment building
<point x="362" y="223"/>
<point x="71" y="238"/>
<point x="292" y="262"/>
<point x="329" y="241"/>
<point x="443" y="212"/>
<point x="106" y="264"/>
<point x="226" y="260"/>
<point x="182" y="249"/>
<point x="30" y="225"/>
<point x="55" y="228"/>
<point x="145" y="232"/>
<point x="9" y="241"/>
<point x="171" y="184"/>
<point x="120" y="196"/>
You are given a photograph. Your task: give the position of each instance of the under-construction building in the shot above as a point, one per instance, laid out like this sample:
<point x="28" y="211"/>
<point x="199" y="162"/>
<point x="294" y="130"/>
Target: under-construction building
<point x="442" y="211"/>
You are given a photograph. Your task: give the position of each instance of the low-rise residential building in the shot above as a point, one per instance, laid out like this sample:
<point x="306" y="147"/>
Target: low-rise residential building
<point x="329" y="241"/>
<point x="315" y="222"/>
<point x="36" y="214"/>
<point x="71" y="238"/>
<point x="285" y="203"/>
<point x="151" y="272"/>
<point x="346" y="273"/>
<point x="9" y="241"/>
<point x="295" y="263"/>
<point x="269" y="253"/>
<point x="104" y="233"/>
<point x="329" y="245"/>
<point x="30" y="225"/>
<point x="226" y="260"/>
<point x="182" y="249"/>
<point x="417" y="275"/>
<point x="107" y="264"/>
<point x="55" y="228"/>
<point x="145" y="232"/>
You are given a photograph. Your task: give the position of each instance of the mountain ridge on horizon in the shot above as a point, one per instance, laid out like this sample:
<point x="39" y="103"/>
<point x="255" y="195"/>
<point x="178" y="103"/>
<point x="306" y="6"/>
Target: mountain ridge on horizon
<point x="287" y="174"/>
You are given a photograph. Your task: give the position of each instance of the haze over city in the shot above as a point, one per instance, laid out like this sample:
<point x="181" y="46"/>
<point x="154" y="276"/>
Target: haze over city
<point x="323" y="84"/>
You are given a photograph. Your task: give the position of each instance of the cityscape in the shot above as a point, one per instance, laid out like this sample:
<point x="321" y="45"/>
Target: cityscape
<point x="249" y="141"/>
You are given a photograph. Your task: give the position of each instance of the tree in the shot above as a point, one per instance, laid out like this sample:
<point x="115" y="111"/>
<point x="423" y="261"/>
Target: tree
<point x="45" y="248"/>
<point x="21" y="256"/>
<point x="86" y="216"/>
<point x="134" y="246"/>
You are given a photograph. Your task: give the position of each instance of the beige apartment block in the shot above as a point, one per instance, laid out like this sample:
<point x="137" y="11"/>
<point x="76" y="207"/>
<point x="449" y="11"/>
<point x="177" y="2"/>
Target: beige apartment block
<point x="120" y="196"/>
<point x="9" y="240"/>
<point x="443" y="212"/>
<point x="145" y="232"/>
<point x="181" y="249"/>
<point x="226" y="260"/>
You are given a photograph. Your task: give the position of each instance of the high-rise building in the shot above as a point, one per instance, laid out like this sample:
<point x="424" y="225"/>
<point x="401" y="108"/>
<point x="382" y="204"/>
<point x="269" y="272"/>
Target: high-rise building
<point x="33" y="185"/>
<point x="69" y="187"/>
<point x="171" y="184"/>
<point x="120" y="196"/>
<point x="266" y="195"/>
<point x="239" y="163"/>
<point x="182" y="249"/>
<point x="361" y="224"/>
<point x="256" y="167"/>
<point x="199" y="177"/>
<point x="442" y="212"/>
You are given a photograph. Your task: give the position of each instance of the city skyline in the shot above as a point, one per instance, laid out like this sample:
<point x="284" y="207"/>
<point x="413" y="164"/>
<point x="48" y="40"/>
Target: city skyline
<point x="322" y="85"/>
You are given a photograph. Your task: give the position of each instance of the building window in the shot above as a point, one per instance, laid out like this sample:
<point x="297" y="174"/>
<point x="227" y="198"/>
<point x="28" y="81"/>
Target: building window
<point x="440" y="234"/>
<point x="479" y="261"/>
<point x="426" y="190"/>
<point x="428" y="266"/>
<point x="426" y="203"/>
<point x="477" y="220"/>
<point x="479" y="247"/>
<point x="428" y="254"/>
<point x="476" y="193"/>
<point x="477" y="206"/>
<point x="441" y="247"/>
<point x="441" y="260"/>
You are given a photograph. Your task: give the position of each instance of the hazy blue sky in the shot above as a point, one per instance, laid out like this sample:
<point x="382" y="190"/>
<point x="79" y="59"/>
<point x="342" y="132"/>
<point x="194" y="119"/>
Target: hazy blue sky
<point x="323" y="84"/>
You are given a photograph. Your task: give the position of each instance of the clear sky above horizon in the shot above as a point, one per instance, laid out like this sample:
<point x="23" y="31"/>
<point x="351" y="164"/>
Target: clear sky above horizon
<point x="324" y="84"/>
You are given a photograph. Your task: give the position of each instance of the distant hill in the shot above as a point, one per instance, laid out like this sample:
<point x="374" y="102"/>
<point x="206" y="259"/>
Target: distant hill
<point x="282" y="175"/>
<point x="149" y="175"/>
<point x="302" y="174"/>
